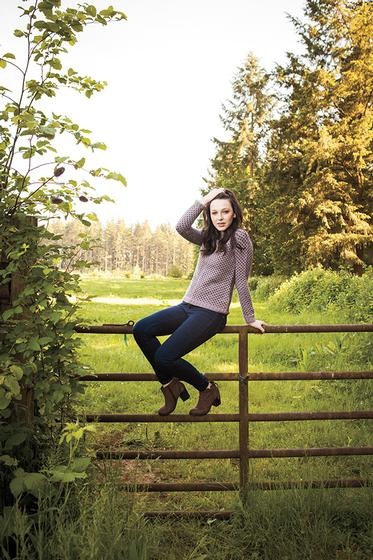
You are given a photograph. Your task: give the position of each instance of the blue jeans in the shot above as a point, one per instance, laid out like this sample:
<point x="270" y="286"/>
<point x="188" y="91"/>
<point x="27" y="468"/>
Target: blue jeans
<point x="189" y="327"/>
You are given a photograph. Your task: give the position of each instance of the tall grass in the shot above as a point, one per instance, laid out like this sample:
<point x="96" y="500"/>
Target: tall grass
<point x="94" y="521"/>
<point x="286" y="352"/>
<point x="102" y="521"/>
<point x="292" y="525"/>
<point x="98" y="522"/>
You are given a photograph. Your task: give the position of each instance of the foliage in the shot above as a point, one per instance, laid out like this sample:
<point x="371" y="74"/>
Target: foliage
<point x="268" y="353"/>
<point x="299" y="146"/>
<point x="101" y="522"/>
<point x="238" y="160"/>
<point x="38" y="348"/>
<point x="319" y="290"/>
<point x="318" y="194"/>
<point x="74" y="467"/>
<point x="86" y="520"/>
<point x="175" y="272"/>
<point x="264" y="286"/>
<point x="343" y="296"/>
<point x="127" y="248"/>
<point x="291" y="524"/>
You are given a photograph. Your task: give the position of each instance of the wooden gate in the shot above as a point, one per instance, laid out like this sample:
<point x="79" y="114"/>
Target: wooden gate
<point x="244" y="418"/>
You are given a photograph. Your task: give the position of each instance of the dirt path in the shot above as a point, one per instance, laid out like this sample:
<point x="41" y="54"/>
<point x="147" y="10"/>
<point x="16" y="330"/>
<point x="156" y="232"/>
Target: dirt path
<point x="141" y="301"/>
<point x="135" y="301"/>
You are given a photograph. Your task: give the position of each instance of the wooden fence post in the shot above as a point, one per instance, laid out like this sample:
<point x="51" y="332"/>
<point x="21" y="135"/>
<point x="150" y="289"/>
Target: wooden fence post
<point x="243" y="407"/>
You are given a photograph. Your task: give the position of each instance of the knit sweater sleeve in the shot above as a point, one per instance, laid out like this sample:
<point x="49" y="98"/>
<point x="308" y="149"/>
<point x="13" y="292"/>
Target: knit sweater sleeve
<point x="243" y="261"/>
<point x="185" y="223"/>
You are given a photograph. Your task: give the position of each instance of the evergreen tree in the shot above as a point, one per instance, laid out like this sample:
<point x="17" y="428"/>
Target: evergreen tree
<point x="237" y="163"/>
<point x="117" y="248"/>
<point x="318" y="195"/>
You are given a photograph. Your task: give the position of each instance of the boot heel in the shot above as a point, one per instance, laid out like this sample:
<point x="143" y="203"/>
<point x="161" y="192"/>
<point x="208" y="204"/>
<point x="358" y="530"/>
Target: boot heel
<point x="217" y="401"/>
<point x="184" y="395"/>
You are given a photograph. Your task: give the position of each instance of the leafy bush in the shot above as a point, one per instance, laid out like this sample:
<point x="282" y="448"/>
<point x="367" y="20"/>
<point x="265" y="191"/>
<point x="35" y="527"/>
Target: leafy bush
<point x="88" y="520"/>
<point x="356" y="299"/>
<point x="38" y="348"/>
<point x="175" y="272"/>
<point x="318" y="289"/>
<point x="264" y="286"/>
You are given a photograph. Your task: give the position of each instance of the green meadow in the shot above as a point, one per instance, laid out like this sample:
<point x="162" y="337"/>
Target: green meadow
<point x="278" y="514"/>
<point x="102" y="516"/>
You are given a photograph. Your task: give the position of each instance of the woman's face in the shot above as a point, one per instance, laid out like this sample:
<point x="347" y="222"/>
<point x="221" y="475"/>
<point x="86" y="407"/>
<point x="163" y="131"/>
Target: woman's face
<point x="221" y="213"/>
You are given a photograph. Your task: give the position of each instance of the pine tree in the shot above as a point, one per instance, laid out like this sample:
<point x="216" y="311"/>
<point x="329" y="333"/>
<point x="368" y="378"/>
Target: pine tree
<point x="318" y="170"/>
<point x="237" y="163"/>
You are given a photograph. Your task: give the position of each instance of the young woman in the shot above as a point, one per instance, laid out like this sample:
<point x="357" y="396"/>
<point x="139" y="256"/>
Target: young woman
<point x="224" y="262"/>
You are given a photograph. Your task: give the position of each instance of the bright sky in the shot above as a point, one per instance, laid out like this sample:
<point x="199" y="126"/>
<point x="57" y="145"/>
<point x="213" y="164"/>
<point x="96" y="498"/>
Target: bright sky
<point x="169" y="68"/>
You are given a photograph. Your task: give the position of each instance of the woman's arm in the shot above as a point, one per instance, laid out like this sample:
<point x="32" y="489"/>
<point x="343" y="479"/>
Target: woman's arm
<point x="185" y="223"/>
<point x="243" y="262"/>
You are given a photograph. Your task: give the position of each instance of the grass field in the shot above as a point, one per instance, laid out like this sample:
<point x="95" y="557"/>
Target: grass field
<point x="278" y="516"/>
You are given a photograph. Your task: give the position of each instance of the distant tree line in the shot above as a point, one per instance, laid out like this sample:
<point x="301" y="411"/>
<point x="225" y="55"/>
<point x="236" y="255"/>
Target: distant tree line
<point x="298" y="145"/>
<point x="136" y="250"/>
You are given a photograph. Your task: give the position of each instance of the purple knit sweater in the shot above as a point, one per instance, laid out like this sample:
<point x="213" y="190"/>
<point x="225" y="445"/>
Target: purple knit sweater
<point x="216" y="275"/>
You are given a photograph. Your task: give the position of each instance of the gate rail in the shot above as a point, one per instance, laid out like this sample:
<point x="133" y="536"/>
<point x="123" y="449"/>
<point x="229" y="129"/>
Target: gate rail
<point x="243" y="418"/>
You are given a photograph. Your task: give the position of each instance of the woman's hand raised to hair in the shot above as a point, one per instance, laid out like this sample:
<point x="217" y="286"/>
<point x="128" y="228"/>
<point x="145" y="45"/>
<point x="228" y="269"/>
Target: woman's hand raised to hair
<point x="258" y="325"/>
<point x="210" y="196"/>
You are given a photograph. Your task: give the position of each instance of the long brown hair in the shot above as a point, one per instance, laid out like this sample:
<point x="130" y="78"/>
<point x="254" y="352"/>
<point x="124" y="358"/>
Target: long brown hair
<point x="211" y="238"/>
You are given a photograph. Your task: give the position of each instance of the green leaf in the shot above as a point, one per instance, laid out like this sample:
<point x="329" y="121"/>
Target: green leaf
<point x="2" y="63"/>
<point x="117" y="177"/>
<point x="12" y="311"/>
<point x="30" y="482"/>
<point x="77" y="26"/>
<point x="55" y="316"/>
<point x="17" y="371"/>
<point x="8" y="460"/>
<point x="60" y="474"/>
<point x="16" y="486"/>
<point x="99" y="146"/>
<point x="79" y="164"/>
<point x="45" y="340"/>
<point x="35" y="482"/>
<point x="4" y="402"/>
<point x="80" y="464"/>
<point x="92" y="216"/>
<point x="9" y="55"/>
<point x="107" y="12"/>
<point x="13" y="385"/>
<point x="34" y="345"/>
<point x="91" y="10"/>
<point x="15" y="439"/>
<point x="47" y="131"/>
<point x="56" y="64"/>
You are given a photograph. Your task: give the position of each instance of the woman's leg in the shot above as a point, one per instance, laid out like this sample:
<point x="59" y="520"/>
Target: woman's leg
<point x="199" y="326"/>
<point x="161" y="323"/>
<point x="190" y="326"/>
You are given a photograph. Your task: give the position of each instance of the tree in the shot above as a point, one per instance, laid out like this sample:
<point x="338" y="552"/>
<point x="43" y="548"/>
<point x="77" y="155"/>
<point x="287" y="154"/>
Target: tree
<point x="237" y="163"/>
<point x="37" y="346"/>
<point x="319" y="164"/>
<point x="115" y="247"/>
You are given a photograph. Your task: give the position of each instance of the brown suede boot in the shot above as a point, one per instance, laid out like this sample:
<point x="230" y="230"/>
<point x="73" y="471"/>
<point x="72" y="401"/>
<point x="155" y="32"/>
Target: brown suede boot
<point x="171" y="393"/>
<point x="207" y="398"/>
